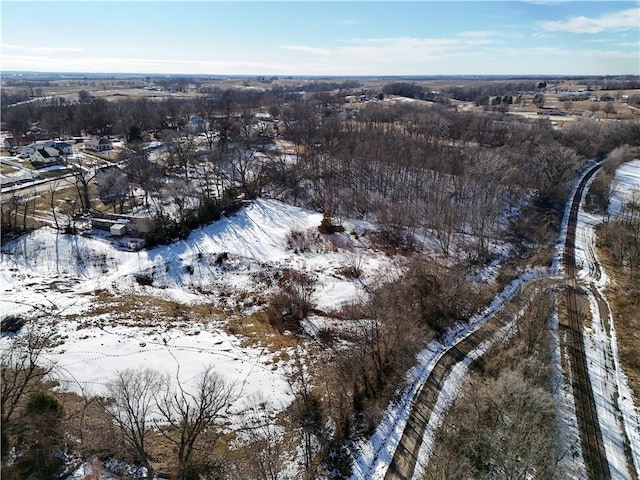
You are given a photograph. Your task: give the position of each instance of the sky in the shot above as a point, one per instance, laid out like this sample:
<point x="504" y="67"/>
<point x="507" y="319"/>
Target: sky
<point x="344" y="38"/>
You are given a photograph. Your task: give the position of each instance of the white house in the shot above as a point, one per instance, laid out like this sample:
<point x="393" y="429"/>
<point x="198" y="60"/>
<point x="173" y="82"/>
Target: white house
<point x="45" y="155"/>
<point x="98" y="144"/>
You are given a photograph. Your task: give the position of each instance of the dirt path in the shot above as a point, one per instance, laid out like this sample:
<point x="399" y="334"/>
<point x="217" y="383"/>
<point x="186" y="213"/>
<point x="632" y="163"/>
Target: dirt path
<point x="405" y="459"/>
<point x="617" y="417"/>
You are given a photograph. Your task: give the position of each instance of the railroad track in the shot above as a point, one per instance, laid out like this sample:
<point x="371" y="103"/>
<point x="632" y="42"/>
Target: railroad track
<point x="590" y="435"/>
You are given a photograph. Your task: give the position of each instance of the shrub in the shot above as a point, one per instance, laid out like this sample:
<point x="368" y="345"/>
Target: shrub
<point x="301" y="241"/>
<point x="40" y="436"/>
<point x="12" y="324"/>
<point x="294" y="301"/>
<point x="327" y="226"/>
<point x="220" y="258"/>
<point x="145" y="280"/>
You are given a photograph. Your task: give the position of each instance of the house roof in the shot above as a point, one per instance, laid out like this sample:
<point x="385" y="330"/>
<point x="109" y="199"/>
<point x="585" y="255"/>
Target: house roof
<point x="47" y="152"/>
<point x="44" y="153"/>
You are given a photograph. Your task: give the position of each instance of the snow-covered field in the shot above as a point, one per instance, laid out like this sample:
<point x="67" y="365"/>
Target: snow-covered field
<point x="232" y="264"/>
<point x="57" y="277"/>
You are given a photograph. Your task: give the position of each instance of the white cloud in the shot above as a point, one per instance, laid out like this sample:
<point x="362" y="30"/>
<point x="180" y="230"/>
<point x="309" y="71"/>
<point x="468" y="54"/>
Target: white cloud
<point x="479" y="34"/>
<point x="622" y="20"/>
<point x="627" y="44"/>
<point x="400" y="49"/>
<point x="610" y="54"/>
<point x="39" y="49"/>
<point x="532" y="52"/>
<point x="133" y="65"/>
<point x="413" y="47"/>
<point x="307" y="49"/>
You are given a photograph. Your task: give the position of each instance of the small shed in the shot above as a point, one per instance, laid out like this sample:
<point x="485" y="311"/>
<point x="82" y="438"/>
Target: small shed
<point x="118" y="229"/>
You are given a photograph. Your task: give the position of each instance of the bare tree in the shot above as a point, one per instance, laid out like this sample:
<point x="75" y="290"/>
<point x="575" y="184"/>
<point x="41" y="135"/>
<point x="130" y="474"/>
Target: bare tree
<point x="504" y="429"/>
<point x="609" y="108"/>
<point x="10" y="208"/>
<point x="248" y="170"/>
<point x="83" y="175"/>
<point x="22" y="372"/>
<point x="265" y="451"/>
<point x="134" y="394"/>
<point x="307" y="414"/>
<point x="190" y="419"/>
<point x="184" y="196"/>
<point x="113" y="188"/>
<point x="21" y="369"/>
<point x="143" y="172"/>
<point x="554" y="167"/>
<point x="53" y="186"/>
<point x="182" y="150"/>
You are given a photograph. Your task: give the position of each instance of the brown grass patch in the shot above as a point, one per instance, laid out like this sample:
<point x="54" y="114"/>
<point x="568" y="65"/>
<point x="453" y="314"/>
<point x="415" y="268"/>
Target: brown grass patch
<point x="256" y="330"/>
<point x="626" y="317"/>
<point x="148" y="310"/>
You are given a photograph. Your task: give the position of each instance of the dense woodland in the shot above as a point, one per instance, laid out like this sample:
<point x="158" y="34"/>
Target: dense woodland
<point x="466" y="178"/>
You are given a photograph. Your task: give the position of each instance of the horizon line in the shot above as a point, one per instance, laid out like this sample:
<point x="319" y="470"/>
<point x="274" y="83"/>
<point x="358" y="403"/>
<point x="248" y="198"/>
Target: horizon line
<point x="314" y="75"/>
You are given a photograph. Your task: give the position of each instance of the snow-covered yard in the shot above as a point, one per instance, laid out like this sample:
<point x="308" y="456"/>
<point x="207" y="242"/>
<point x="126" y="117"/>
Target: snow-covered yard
<point x="58" y="279"/>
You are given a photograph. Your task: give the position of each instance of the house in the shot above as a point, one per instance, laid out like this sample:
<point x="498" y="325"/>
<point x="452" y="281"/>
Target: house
<point x="64" y="148"/>
<point x="20" y="141"/>
<point x="38" y="133"/>
<point x="196" y="125"/>
<point x="119" y="225"/>
<point x="98" y="144"/>
<point x="45" y="155"/>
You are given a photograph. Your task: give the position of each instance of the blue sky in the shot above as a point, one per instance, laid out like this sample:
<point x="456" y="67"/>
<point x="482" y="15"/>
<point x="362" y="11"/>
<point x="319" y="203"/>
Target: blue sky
<point x="323" y="38"/>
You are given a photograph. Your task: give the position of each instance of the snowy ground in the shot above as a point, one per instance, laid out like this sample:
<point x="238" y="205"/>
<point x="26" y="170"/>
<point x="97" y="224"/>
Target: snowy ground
<point x="618" y="417"/>
<point x="55" y="277"/>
